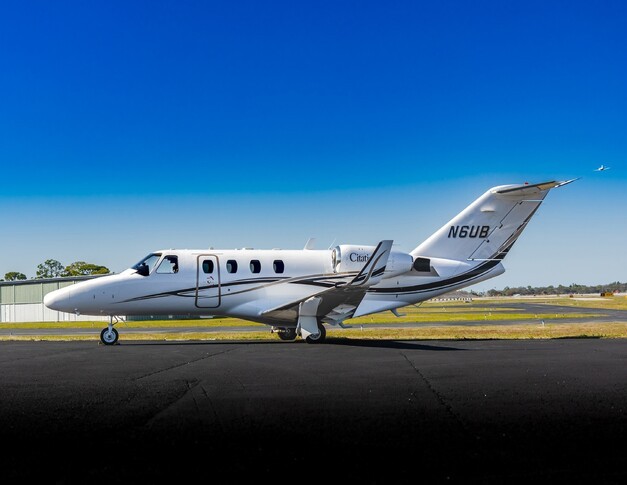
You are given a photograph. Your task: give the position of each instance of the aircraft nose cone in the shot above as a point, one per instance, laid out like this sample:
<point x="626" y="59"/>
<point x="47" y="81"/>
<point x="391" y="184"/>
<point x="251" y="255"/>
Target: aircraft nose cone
<point x="57" y="300"/>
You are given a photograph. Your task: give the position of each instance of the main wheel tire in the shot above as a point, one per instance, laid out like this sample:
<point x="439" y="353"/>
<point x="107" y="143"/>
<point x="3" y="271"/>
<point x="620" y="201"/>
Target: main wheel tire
<point x="287" y="334"/>
<point x="318" y="338"/>
<point x="109" y="337"/>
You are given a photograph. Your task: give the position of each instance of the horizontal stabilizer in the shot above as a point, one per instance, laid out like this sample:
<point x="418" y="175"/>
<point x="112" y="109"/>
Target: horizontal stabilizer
<point x="534" y="188"/>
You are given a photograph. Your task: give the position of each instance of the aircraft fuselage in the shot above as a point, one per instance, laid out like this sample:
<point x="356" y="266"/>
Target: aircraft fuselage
<point x="247" y="283"/>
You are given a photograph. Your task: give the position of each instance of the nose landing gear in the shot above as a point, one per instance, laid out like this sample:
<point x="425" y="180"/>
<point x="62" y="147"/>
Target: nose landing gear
<point x="109" y="335"/>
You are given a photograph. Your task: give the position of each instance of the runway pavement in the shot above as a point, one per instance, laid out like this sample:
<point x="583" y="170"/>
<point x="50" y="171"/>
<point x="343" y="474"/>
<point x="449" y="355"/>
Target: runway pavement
<point x="350" y="411"/>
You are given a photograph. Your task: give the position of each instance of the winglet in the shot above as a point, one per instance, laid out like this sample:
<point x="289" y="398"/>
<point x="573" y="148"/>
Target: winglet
<point x="373" y="270"/>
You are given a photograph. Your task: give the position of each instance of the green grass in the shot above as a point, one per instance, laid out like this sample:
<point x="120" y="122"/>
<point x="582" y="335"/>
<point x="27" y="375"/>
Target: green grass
<point x="201" y="323"/>
<point x="410" y="315"/>
<point x="486" y="315"/>
<point x="613" y="303"/>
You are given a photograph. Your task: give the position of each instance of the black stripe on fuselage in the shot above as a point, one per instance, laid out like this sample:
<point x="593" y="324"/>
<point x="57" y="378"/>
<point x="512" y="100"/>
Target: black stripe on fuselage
<point x="192" y="290"/>
<point x="470" y="275"/>
<point x="437" y="285"/>
<point x="313" y="280"/>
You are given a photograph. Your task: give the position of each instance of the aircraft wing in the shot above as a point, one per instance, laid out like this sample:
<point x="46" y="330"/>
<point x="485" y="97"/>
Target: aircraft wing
<point x="333" y="305"/>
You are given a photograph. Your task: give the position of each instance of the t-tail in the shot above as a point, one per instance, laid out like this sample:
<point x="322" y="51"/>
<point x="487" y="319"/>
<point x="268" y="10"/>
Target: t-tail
<point x="483" y="233"/>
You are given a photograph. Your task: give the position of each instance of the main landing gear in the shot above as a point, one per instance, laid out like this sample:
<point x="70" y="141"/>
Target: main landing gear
<point x="290" y="333"/>
<point x="109" y="335"/>
<point x="286" y="333"/>
<point x="317" y="338"/>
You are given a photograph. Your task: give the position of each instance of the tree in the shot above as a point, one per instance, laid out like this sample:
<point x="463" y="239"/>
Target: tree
<point x="50" y="268"/>
<point x="14" y="275"/>
<point x="81" y="268"/>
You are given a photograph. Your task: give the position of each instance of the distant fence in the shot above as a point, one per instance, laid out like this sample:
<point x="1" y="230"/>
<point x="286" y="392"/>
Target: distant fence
<point x="466" y="299"/>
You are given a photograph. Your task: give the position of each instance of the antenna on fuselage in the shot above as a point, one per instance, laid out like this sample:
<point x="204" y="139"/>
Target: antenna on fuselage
<point x="310" y="243"/>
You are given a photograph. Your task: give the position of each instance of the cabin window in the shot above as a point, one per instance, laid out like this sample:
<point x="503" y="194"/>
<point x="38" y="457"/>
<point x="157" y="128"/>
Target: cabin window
<point x="255" y="266"/>
<point x="169" y="265"/>
<point x="207" y="266"/>
<point x="146" y="265"/>
<point x="278" y="265"/>
<point x="231" y="266"/>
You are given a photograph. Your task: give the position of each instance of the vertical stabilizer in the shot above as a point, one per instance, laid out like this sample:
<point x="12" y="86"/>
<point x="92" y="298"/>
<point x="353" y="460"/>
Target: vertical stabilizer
<point x="487" y="228"/>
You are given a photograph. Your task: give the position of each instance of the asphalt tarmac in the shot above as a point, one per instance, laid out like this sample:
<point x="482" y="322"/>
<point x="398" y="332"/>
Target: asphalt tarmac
<point x="345" y="411"/>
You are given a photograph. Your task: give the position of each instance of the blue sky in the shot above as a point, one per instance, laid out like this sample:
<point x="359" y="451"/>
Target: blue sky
<point x="132" y="126"/>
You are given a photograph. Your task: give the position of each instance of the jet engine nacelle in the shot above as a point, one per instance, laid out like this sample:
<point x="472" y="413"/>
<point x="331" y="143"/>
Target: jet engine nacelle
<point x="349" y="257"/>
<point x="398" y="263"/>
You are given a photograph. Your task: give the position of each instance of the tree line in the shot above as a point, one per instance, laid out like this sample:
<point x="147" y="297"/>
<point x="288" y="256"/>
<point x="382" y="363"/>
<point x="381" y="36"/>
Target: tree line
<point x="51" y="268"/>
<point x="615" y="287"/>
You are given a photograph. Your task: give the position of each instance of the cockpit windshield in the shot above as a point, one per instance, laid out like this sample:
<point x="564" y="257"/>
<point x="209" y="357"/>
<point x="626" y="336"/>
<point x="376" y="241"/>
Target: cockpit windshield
<point x="146" y="265"/>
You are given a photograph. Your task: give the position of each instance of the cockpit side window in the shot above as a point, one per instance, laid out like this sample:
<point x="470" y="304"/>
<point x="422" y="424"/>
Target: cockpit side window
<point x="169" y="265"/>
<point x="146" y="265"/>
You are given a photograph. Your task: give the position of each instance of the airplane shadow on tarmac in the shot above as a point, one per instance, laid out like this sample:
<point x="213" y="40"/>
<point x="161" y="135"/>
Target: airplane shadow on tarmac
<point x="380" y="344"/>
<point x="388" y="344"/>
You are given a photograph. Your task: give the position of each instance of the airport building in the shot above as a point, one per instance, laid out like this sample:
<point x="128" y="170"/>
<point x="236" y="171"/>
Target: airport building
<point x="23" y="301"/>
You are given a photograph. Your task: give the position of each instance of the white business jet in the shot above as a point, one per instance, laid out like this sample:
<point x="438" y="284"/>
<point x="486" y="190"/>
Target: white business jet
<point x="297" y="292"/>
<point x="602" y="168"/>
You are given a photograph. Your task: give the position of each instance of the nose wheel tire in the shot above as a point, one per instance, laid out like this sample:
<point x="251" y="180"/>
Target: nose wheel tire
<point x="109" y="336"/>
